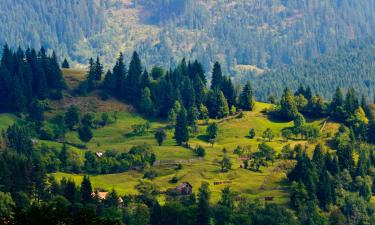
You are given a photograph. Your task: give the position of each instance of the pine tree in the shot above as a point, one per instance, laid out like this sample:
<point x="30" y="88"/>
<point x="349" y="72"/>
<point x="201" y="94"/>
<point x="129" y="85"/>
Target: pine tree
<point x="181" y="133"/>
<point x="351" y="102"/>
<point x="288" y="106"/>
<point x="109" y="82"/>
<point x="345" y="157"/>
<point x="192" y="115"/>
<point x="119" y="74"/>
<point x="133" y="79"/>
<point x="86" y="190"/>
<point x="324" y="190"/>
<point x="247" y="101"/>
<point x="18" y="137"/>
<point x="63" y="156"/>
<point x="72" y="117"/>
<point x="160" y="136"/>
<point x="145" y="102"/>
<point x="98" y="70"/>
<point x="229" y="92"/>
<point x="65" y="64"/>
<point x="217" y="76"/>
<point x="91" y="76"/>
<point x="337" y="105"/>
<point x="203" y="213"/>
<point x="85" y="134"/>
<point x="318" y="157"/>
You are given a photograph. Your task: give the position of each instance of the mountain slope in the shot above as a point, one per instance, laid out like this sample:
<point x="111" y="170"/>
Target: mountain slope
<point x="352" y="66"/>
<point x="244" y="35"/>
<point x="56" y="24"/>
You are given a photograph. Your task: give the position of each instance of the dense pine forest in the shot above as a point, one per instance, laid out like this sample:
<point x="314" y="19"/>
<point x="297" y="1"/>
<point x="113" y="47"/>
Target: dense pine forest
<point x="330" y="182"/>
<point x="57" y="25"/>
<point x="236" y="32"/>
<point x="352" y="66"/>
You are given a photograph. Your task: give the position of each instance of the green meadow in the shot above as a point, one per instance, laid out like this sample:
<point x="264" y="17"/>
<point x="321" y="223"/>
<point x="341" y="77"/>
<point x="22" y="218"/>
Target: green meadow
<point x="233" y="132"/>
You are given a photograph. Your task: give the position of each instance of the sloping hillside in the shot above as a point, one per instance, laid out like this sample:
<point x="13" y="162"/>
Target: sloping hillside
<point x="352" y="66"/>
<point x="235" y="32"/>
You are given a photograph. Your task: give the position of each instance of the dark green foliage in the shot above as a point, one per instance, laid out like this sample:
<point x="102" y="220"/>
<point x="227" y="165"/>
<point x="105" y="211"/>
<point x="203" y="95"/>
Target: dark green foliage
<point x="133" y="79"/>
<point x="212" y="131"/>
<point x="160" y="136"/>
<point x="72" y="117"/>
<point x="181" y="133"/>
<point x="247" y="101"/>
<point x="18" y="137"/>
<point x="225" y="164"/>
<point x="85" y="133"/>
<point x="86" y="190"/>
<point x="288" y="107"/>
<point x="217" y="76"/>
<point x="200" y="151"/>
<point x="65" y="64"/>
<point x="217" y="104"/>
<point x="145" y="102"/>
<point x="26" y="77"/>
<point x="252" y="133"/>
<point x="203" y="213"/>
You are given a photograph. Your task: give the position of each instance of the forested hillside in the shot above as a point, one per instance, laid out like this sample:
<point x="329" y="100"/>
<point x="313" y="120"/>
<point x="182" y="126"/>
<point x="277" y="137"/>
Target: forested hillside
<point x="351" y="66"/>
<point x="57" y="24"/>
<point x="258" y="32"/>
<point x="242" y="35"/>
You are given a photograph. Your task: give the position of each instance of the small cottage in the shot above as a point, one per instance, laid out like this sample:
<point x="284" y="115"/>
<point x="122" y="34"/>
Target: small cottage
<point x="182" y="190"/>
<point x="185" y="189"/>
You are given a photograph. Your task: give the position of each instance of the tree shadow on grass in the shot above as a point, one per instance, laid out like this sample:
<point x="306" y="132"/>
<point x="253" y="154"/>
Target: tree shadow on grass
<point x="203" y="137"/>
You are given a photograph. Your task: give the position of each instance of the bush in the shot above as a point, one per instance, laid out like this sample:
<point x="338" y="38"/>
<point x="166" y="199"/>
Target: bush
<point x="85" y="133"/>
<point x="252" y="133"/>
<point x="151" y="174"/>
<point x="173" y="180"/>
<point x="200" y="151"/>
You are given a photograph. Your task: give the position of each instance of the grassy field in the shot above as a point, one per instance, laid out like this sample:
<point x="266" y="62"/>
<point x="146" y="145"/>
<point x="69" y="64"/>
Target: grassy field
<point x="6" y="120"/>
<point x="232" y="133"/>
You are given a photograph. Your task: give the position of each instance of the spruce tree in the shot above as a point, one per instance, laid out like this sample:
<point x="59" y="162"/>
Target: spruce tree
<point x="119" y="74"/>
<point x="133" y="79"/>
<point x="98" y="70"/>
<point x="351" y="102"/>
<point x="85" y="134"/>
<point x="288" y="107"/>
<point x="72" y="117"/>
<point x="91" y="76"/>
<point x="229" y="92"/>
<point x="247" y="101"/>
<point x="65" y="64"/>
<point x="337" y="105"/>
<point x="217" y="76"/>
<point x="203" y="213"/>
<point x="63" y="156"/>
<point x="86" y="190"/>
<point x="145" y="102"/>
<point x="181" y="133"/>
<point x="109" y="82"/>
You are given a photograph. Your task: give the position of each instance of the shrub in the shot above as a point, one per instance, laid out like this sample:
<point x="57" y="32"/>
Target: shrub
<point x="200" y="151"/>
<point x="151" y="174"/>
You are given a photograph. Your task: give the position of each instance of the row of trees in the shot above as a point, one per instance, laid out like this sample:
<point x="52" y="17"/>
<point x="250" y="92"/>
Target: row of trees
<point x="347" y="109"/>
<point x="161" y="93"/>
<point x="26" y="76"/>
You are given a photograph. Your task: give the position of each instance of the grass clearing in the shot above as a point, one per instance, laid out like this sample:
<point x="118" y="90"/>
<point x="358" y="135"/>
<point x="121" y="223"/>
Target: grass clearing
<point x="232" y="132"/>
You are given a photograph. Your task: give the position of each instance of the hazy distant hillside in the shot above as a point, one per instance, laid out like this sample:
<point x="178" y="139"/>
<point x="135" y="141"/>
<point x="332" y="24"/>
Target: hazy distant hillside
<point x="243" y="32"/>
<point x="244" y="35"/>
<point x="57" y="24"/>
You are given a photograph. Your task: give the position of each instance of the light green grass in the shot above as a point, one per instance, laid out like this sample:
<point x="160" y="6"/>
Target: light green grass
<point x="7" y="120"/>
<point x="233" y="132"/>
